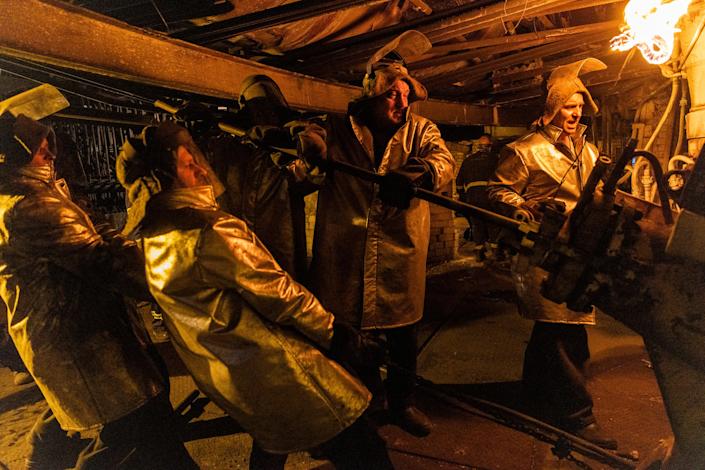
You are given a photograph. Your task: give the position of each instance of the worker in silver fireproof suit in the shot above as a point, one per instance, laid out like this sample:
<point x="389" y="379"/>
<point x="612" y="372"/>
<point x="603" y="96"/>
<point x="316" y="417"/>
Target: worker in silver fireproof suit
<point x="551" y="164"/>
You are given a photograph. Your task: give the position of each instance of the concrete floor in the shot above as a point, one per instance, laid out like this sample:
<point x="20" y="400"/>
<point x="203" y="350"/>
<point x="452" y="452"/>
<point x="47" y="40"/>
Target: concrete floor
<point x="472" y="342"/>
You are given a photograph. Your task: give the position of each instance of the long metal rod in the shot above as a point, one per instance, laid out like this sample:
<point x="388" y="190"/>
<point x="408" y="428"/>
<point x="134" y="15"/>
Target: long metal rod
<point x="430" y="196"/>
<point x="283" y="14"/>
<point x="367" y="175"/>
<point x="562" y="440"/>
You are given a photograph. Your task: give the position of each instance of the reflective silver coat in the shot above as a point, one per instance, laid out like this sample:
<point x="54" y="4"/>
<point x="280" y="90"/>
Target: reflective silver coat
<point x="369" y="259"/>
<point x="244" y="329"/>
<point x="536" y="167"/>
<point x="71" y="331"/>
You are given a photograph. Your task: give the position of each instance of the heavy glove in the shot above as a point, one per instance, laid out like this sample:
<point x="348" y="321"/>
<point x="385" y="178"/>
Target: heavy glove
<point x="268" y="138"/>
<point x="398" y="186"/>
<point x="311" y="143"/>
<point x="356" y="349"/>
<point x="534" y="210"/>
<point x="271" y="136"/>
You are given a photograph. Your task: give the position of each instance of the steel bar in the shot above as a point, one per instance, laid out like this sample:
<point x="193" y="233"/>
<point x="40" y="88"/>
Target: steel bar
<point x="430" y="196"/>
<point x="562" y="440"/>
<point x="367" y="175"/>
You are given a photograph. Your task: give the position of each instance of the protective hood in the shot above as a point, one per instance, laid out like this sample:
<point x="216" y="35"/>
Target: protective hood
<point x="388" y="65"/>
<point x="21" y="139"/>
<point x="146" y="165"/>
<point x="564" y="83"/>
<point x="263" y="102"/>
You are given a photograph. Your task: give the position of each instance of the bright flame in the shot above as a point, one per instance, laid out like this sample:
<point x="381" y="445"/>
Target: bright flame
<point x="651" y="25"/>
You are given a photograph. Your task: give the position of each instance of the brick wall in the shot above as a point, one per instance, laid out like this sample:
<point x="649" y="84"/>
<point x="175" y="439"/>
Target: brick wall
<point x="442" y="243"/>
<point x="444" y="240"/>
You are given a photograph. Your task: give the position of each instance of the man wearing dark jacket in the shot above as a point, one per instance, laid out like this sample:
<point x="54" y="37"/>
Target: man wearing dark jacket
<point x="472" y="180"/>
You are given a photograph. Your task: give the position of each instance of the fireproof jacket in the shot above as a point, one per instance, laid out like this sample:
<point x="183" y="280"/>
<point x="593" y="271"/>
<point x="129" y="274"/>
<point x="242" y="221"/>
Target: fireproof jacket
<point x="71" y="331"/>
<point x="266" y="196"/>
<point x="244" y="329"/>
<point x="369" y="259"/>
<point x="536" y="167"/>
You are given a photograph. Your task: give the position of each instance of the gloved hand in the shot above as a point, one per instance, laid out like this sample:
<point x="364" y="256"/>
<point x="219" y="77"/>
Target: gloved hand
<point x="350" y="346"/>
<point x="398" y="186"/>
<point x="535" y="209"/>
<point x="272" y="136"/>
<point x="311" y="143"/>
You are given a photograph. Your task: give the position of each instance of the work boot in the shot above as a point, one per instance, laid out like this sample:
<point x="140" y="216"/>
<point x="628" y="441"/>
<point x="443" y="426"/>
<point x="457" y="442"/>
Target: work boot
<point x="411" y="420"/>
<point x="594" y="433"/>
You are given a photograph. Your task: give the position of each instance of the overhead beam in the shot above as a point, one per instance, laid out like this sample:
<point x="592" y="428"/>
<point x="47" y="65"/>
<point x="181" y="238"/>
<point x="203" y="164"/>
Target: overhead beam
<point x="56" y="33"/>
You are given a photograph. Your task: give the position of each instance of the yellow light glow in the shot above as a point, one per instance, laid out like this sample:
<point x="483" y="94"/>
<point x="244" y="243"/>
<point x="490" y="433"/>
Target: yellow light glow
<point x="650" y="26"/>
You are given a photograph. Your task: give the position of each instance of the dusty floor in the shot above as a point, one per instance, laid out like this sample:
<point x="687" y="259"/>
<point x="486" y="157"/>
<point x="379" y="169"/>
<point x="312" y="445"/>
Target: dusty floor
<point x="471" y="342"/>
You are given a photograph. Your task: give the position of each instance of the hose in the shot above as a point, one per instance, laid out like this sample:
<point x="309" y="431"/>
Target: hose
<point x="660" y="183"/>
<point x="666" y="113"/>
<point x="681" y="119"/>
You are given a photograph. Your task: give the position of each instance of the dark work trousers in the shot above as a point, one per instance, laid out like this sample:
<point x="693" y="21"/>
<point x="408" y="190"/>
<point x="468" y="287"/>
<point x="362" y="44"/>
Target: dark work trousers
<point x="358" y="447"/>
<point x="553" y="380"/>
<point x="401" y="373"/>
<point x="144" y="439"/>
<point x="260" y="459"/>
<point x="9" y="357"/>
<point x="52" y="448"/>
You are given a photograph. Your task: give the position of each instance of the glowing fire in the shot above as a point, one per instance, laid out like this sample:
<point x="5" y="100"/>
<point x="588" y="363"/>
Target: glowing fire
<point x="650" y="27"/>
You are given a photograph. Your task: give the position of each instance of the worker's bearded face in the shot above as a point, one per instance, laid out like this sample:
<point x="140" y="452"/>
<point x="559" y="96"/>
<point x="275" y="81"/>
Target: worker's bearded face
<point x="388" y="110"/>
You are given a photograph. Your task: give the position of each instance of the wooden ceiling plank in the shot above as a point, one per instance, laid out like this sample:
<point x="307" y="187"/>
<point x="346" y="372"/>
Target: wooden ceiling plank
<point x="447" y="29"/>
<point x="473" y="20"/>
<point x="283" y="14"/>
<point x="551" y="33"/>
<point x="468" y="23"/>
<point x="514" y="59"/>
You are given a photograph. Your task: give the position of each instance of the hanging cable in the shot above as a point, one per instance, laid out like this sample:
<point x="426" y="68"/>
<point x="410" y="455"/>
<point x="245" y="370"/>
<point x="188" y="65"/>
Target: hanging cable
<point x="83" y="80"/>
<point x="669" y="107"/>
<point x="15" y="74"/>
<point x="514" y="28"/>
